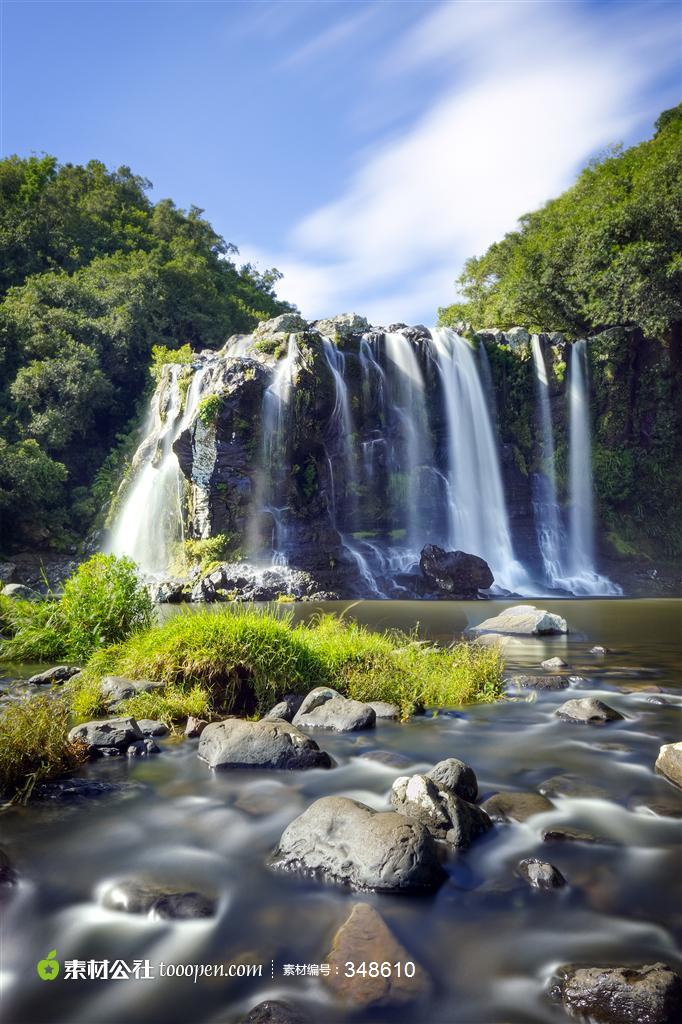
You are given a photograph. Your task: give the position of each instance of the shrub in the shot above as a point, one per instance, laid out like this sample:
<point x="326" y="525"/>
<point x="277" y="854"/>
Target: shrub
<point x="34" y="744"/>
<point x="209" y="408"/>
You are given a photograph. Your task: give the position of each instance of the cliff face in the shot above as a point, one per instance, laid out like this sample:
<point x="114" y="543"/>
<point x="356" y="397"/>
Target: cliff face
<point x="302" y="451"/>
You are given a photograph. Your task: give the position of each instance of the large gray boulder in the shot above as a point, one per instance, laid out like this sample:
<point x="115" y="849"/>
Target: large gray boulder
<point x="669" y="762"/>
<point x="286" y="708"/>
<point x="524" y="682"/>
<point x="339" y="714"/>
<point x="588" y="711"/>
<point x="236" y="743"/>
<point x="523" y="620"/>
<point x="445" y="815"/>
<point x="456" y="776"/>
<point x="107" y="734"/>
<point x="342" y="326"/>
<point x="455" y="572"/>
<point x="344" y="841"/>
<point x="647" y="994"/>
<point x="58" y="674"/>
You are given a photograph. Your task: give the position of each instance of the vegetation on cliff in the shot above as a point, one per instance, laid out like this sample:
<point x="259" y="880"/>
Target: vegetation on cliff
<point x="93" y="274"/>
<point x="605" y="252"/>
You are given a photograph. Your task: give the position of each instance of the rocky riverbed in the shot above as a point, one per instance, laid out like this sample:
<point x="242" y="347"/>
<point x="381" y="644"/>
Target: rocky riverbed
<point x="523" y="856"/>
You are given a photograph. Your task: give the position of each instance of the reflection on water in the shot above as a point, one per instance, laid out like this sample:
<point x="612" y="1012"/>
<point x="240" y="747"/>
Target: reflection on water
<point x="488" y="941"/>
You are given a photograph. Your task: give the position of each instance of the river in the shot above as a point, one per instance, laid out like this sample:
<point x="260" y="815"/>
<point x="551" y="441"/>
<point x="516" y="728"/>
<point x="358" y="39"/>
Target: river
<point x="488" y="942"/>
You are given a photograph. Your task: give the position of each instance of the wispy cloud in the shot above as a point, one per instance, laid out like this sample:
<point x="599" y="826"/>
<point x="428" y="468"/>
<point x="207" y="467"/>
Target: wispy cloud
<point x="523" y="95"/>
<point x="328" y="39"/>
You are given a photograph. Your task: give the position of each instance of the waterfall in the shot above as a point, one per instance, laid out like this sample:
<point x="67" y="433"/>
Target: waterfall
<point x="270" y="477"/>
<point x="582" y="575"/>
<point x="150" y="519"/>
<point x="546" y="508"/>
<point x="477" y="512"/>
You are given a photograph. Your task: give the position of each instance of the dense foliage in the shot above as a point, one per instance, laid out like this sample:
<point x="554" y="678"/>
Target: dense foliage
<point x="93" y="275"/>
<point x="607" y="251"/>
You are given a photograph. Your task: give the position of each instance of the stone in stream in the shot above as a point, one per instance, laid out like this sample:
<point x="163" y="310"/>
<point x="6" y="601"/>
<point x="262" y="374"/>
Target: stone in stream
<point x="324" y="708"/>
<point x="642" y="994"/>
<point x="135" y="897"/>
<point x="364" y="937"/>
<point x="444" y="813"/>
<point x="455" y="572"/>
<point x="550" y="664"/>
<point x="106" y="735"/>
<point x="524" y="620"/>
<point x="344" y="841"/>
<point x="194" y="727"/>
<point x="539" y="682"/>
<point x="457" y="777"/>
<point x="274" y="1011"/>
<point x="388" y="758"/>
<point x="143" y="748"/>
<point x="382" y="709"/>
<point x="58" y="674"/>
<point x="599" y="651"/>
<point x="286" y="708"/>
<point x="567" y="833"/>
<point x="669" y="762"/>
<point x="152" y="727"/>
<point x="117" y="688"/>
<point x="588" y="711"/>
<point x="237" y="743"/>
<point x="540" y="874"/>
<point x="516" y="806"/>
<point x="19" y="592"/>
<point x="572" y="786"/>
<point x="77" y="791"/>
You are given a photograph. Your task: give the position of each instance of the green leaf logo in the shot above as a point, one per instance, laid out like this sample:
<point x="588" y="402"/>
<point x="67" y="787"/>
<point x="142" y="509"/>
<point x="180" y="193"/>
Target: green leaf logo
<point x="48" y="969"/>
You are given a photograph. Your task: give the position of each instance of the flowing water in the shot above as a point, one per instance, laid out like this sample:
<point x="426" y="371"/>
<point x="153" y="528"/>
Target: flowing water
<point x="488" y="943"/>
<point x="547" y="514"/>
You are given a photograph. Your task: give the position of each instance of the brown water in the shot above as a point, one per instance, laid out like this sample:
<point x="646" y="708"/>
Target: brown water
<point x="487" y="941"/>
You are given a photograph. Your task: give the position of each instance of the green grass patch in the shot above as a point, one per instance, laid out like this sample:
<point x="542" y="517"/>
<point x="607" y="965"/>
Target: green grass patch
<point x="242" y="660"/>
<point x="34" y="745"/>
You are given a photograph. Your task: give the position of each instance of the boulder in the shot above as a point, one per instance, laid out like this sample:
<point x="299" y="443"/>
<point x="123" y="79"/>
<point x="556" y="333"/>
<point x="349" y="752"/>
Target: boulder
<point x="19" y="592"/>
<point x="347" y="842"/>
<point x="445" y="815"/>
<point x="382" y="709"/>
<point x="143" y="748"/>
<point x="523" y="620"/>
<point x="364" y="937"/>
<point x="317" y="697"/>
<point x="136" y="897"/>
<point x="388" y="758"/>
<point x="339" y="714"/>
<point x="588" y="711"/>
<point x="286" y="708"/>
<point x="523" y="682"/>
<point x="106" y="735"/>
<point x="152" y="727"/>
<point x="457" y="777"/>
<point x="516" y="806"/>
<point x="118" y="688"/>
<point x="170" y="591"/>
<point x="572" y="786"/>
<point x="58" y="674"/>
<point x="646" y="994"/>
<point x="194" y="727"/>
<point x="517" y="337"/>
<point x="455" y="572"/>
<point x="669" y="762"/>
<point x="342" y="326"/>
<point x="540" y="874"/>
<point x="274" y="1011"/>
<point x="553" y="663"/>
<point x="599" y="651"/>
<point x="236" y="743"/>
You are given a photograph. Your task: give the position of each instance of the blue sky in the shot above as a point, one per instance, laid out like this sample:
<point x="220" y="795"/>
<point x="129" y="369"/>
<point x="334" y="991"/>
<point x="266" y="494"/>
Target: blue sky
<point x="366" y="149"/>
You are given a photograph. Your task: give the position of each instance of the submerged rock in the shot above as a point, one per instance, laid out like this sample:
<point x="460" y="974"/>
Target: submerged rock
<point x="444" y="813"/>
<point x="539" y="682"/>
<point x="274" y="1011"/>
<point x="540" y="874"/>
<point x="647" y="994"/>
<point x="455" y="572"/>
<point x="553" y="663"/>
<point x="599" y="651"/>
<point x="588" y="711"/>
<point x="236" y="743"/>
<point x="107" y="734"/>
<point x="669" y="762"/>
<point x="524" y="620"/>
<point x="58" y="674"/>
<point x="77" y="791"/>
<point x="345" y="841"/>
<point x="388" y="758"/>
<point x="135" y="897"/>
<point x="572" y="786"/>
<point x="516" y="806"/>
<point x="457" y="777"/>
<point x="364" y="937"/>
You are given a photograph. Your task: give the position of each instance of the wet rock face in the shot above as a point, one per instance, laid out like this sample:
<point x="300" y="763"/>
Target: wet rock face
<point x="516" y="806"/>
<point x="133" y="897"/>
<point x="540" y="874"/>
<point x="109" y="734"/>
<point x="649" y="994"/>
<point x="455" y="572"/>
<point x="456" y="776"/>
<point x="523" y="620"/>
<point x="236" y="743"/>
<point x="365" y="937"/>
<point x="51" y="676"/>
<point x="274" y="1011"/>
<point x="669" y="762"/>
<point x="286" y="708"/>
<point x="444" y="813"/>
<point x="588" y="711"/>
<point x="523" y="682"/>
<point x="344" y="841"/>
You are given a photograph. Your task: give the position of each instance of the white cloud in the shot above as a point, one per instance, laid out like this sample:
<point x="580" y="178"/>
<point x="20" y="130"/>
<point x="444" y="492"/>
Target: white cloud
<point x="528" y="93"/>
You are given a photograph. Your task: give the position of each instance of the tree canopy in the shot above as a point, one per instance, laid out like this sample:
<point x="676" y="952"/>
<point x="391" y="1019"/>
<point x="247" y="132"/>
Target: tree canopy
<point x="93" y="274"/>
<point x="607" y="251"/>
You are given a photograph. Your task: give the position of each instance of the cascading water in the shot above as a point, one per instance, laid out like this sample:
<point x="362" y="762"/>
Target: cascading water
<point x="150" y="521"/>
<point x="477" y="512"/>
<point x="546" y="507"/>
<point x="582" y="578"/>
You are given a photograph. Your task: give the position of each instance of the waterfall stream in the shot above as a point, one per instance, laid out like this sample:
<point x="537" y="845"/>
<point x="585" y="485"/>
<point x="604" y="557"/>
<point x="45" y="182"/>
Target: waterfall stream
<point x="546" y="506"/>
